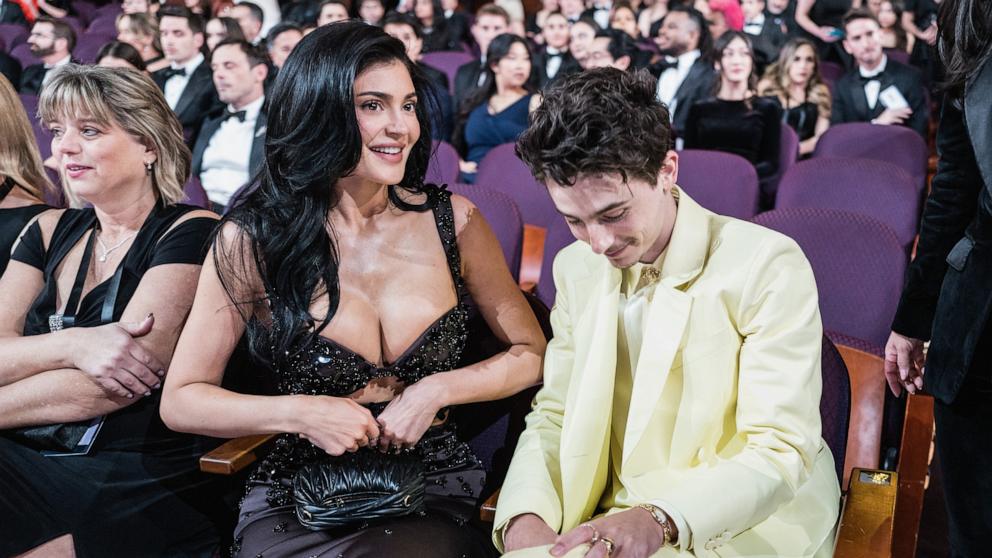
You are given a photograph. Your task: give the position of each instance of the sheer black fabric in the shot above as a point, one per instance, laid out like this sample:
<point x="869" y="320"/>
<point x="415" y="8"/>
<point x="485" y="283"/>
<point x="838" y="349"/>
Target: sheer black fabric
<point x="750" y="129"/>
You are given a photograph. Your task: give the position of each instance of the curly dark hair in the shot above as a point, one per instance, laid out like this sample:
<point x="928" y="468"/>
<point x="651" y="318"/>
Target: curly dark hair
<point x="600" y="121"/>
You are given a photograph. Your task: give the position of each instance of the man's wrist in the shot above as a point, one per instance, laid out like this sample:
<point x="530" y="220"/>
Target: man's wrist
<point x="669" y="532"/>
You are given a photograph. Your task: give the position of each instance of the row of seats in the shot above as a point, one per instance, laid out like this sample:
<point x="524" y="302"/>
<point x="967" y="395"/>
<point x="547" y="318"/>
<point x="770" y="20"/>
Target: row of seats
<point x="94" y="27"/>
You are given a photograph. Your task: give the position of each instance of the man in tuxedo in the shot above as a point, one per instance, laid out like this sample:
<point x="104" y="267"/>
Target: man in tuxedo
<point x="456" y="21"/>
<point x="555" y="60"/>
<point x="249" y="17"/>
<point x="580" y="38"/>
<point x="783" y="14"/>
<point x="766" y="35"/>
<point x="490" y="21"/>
<point x="877" y="90"/>
<point x="684" y="74"/>
<point x="572" y="9"/>
<point x="679" y="413"/>
<point x="11" y="12"/>
<point x="51" y="40"/>
<point x="187" y="83"/>
<point x="599" y="11"/>
<point x="229" y="147"/>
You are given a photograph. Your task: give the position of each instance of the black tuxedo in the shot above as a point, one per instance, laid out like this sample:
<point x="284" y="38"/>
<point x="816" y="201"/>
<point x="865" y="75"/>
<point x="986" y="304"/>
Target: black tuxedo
<point x="198" y="99"/>
<point x="31" y="79"/>
<point x="11" y="69"/>
<point x="697" y="85"/>
<point x="569" y="65"/>
<point x="11" y="12"/>
<point x="769" y="41"/>
<point x="458" y="25"/>
<point x="947" y="299"/>
<point x="210" y="126"/>
<point x="851" y="104"/>
<point x="467" y="81"/>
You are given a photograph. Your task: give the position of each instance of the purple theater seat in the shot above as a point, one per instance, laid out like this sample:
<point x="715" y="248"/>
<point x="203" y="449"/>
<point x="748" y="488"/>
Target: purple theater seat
<point x="30" y="104"/>
<point x="502" y="170"/>
<point x="558" y="237"/>
<point x="830" y="72"/>
<point x="12" y="34"/>
<point x="85" y="10"/>
<point x="103" y="25"/>
<point x="835" y="403"/>
<point x="447" y="61"/>
<point x="503" y="218"/>
<point x="443" y="165"/>
<point x="877" y="189"/>
<point x="76" y="24"/>
<point x="22" y="53"/>
<point x="110" y="10"/>
<point x="88" y="47"/>
<point x="858" y="264"/>
<point x="900" y="56"/>
<point x="894" y="144"/>
<point x="195" y="194"/>
<point x="724" y="183"/>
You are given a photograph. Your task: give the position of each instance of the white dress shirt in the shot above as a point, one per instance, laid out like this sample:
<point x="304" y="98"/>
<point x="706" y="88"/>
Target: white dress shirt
<point x="873" y="87"/>
<point x="175" y="85"/>
<point x="672" y="78"/>
<point x="50" y="67"/>
<point x="554" y="57"/>
<point x="754" y="26"/>
<point x="224" y="167"/>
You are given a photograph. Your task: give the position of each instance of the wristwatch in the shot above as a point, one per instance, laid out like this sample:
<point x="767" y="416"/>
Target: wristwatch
<point x="662" y="518"/>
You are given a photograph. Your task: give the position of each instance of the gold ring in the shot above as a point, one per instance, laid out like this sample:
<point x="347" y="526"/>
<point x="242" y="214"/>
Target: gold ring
<point x="595" y="533"/>
<point x="609" y="544"/>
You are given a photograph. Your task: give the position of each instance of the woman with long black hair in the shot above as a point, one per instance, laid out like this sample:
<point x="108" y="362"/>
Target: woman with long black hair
<point x="350" y="278"/>
<point x="947" y="298"/>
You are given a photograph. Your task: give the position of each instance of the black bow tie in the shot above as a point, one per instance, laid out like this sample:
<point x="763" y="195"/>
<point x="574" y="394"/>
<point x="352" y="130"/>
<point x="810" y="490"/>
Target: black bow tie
<point x="240" y="115"/>
<point x="665" y="64"/>
<point x="876" y="77"/>
<point x="555" y="54"/>
<point x="169" y="72"/>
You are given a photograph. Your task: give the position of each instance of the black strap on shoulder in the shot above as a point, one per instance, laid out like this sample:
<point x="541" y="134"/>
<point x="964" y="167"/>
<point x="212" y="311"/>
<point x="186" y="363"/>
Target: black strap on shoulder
<point x="5" y="187"/>
<point x="444" y="218"/>
<point x="109" y="301"/>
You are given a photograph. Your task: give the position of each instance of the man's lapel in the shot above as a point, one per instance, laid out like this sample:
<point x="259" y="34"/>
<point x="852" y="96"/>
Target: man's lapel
<point x="860" y="98"/>
<point x="192" y="89"/>
<point x="977" y="100"/>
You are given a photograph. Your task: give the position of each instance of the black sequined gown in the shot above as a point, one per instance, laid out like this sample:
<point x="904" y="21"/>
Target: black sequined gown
<point x="267" y="526"/>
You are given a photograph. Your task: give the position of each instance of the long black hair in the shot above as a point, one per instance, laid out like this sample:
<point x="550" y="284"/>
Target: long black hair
<point x="964" y="42"/>
<point x="312" y="140"/>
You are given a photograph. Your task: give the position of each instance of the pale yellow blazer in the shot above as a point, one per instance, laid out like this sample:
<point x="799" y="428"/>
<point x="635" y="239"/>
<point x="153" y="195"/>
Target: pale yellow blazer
<point x="736" y="314"/>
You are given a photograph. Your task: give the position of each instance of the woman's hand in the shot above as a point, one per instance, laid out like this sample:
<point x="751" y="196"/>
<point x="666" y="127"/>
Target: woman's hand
<point x="904" y="364"/>
<point x="468" y="167"/>
<point x="403" y="422"/>
<point x="113" y="359"/>
<point x="829" y="34"/>
<point x="334" y="424"/>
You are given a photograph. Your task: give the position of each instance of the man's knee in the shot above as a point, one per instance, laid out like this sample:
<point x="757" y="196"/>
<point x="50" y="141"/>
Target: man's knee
<point x="543" y="552"/>
<point x="61" y="547"/>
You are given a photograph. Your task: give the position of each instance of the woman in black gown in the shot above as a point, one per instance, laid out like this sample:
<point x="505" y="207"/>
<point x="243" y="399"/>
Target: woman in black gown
<point x="349" y="276"/>
<point x="91" y="306"/>
<point x="794" y="79"/>
<point x="22" y="177"/>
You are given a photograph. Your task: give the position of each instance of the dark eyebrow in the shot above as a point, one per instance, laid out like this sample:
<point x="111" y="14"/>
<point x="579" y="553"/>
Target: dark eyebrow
<point x="384" y="96"/>
<point x="601" y="212"/>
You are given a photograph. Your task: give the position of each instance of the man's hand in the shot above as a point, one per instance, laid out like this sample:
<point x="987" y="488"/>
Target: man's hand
<point x="904" y="364"/>
<point x="527" y="531"/>
<point x="893" y="116"/>
<point x="635" y="534"/>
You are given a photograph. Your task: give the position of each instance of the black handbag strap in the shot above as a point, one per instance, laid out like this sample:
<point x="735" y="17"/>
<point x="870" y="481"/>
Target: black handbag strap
<point x="109" y="301"/>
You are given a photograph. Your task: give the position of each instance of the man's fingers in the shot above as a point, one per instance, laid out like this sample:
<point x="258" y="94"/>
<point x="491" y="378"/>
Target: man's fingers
<point x="581" y="534"/>
<point x="903" y="361"/>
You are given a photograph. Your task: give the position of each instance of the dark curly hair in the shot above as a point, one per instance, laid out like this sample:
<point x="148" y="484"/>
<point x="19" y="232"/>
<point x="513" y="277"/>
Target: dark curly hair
<point x="600" y="121"/>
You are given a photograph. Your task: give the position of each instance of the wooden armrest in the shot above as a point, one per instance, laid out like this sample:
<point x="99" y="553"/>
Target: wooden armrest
<point x="915" y="452"/>
<point x="868" y="517"/>
<point x="532" y="256"/>
<point x="234" y="455"/>
<point x="867" y="403"/>
<point x="487" y="512"/>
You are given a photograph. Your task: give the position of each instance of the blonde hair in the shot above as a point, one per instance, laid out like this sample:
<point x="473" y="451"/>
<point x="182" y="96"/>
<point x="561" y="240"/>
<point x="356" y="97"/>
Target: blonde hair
<point x="132" y="101"/>
<point x="776" y="80"/>
<point x="19" y="157"/>
<point x="144" y="25"/>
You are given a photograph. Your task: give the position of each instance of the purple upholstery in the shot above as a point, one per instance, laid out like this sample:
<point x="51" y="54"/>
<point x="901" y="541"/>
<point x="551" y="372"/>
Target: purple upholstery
<point x="443" y="166"/>
<point x="830" y="72"/>
<point x="88" y="47"/>
<point x="835" y="403"/>
<point x="76" y="24"/>
<point x="30" y="104"/>
<point x="22" y="53"/>
<point x="894" y="144"/>
<point x="103" y="25"/>
<point x="724" y="183"/>
<point x="111" y="10"/>
<point x="858" y="264"/>
<point x="447" y="61"/>
<point x="855" y="343"/>
<point x="502" y="170"/>
<point x="12" y="35"/>
<point x="874" y="188"/>
<point x="195" y="194"/>
<point x="503" y="218"/>
<point x="900" y="56"/>
<point x="85" y="10"/>
<point x="558" y="237"/>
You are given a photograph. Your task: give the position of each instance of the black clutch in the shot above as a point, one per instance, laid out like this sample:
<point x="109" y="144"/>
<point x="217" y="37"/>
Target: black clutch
<point x="358" y="487"/>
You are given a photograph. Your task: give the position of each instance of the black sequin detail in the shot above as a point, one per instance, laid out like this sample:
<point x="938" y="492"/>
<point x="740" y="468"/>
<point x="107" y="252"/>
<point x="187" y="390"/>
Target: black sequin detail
<point x="327" y="368"/>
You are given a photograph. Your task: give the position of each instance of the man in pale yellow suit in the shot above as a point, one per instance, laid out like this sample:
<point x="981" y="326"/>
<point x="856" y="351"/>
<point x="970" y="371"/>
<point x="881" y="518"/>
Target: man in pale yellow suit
<point x="680" y="409"/>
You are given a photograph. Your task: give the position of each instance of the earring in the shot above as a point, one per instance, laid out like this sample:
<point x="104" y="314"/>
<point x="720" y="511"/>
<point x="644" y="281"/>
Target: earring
<point x="148" y="167"/>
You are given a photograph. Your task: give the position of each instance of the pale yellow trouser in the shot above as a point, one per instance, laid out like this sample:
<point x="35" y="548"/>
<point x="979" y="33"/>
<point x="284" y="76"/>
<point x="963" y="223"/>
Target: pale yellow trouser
<point x="580" y="551"/>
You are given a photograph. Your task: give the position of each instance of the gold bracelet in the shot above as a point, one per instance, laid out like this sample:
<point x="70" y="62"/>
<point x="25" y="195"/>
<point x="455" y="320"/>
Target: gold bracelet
<point x="662" y="518"/>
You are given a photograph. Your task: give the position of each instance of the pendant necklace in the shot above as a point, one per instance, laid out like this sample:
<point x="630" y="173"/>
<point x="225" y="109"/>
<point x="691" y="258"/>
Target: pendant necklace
<point x="106" y="251"/>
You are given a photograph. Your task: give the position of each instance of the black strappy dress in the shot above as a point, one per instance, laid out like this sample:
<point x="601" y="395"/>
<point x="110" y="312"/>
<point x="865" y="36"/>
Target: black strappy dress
<point x="267" y="525"/>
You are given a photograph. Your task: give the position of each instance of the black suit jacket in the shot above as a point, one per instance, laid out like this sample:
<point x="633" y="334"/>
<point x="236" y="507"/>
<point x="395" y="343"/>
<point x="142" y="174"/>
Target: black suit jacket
<point x="851" y="104"/>
<point x="198" y="99"/>
<point x="466" y="81"/>
<point x="697" y="85"/>
<point x="768" y="43"/>
<point x="11" y="12"/>
<point x="11" y="69"/>
<point x="947" y="298"/>
<point x="31" y="79"/>
<point x="569" y="65"/>
<point x="210" y="127"/>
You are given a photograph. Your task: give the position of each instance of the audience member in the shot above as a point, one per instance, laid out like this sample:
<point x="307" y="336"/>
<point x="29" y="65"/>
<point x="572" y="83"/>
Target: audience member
<point x="188" y="87"/>
<point x="272" y="15"/>
<point x="580" y="38"/>
<point x="783" y="14"/>
<point x="332" y="11"/>
<point x="139" y="7"/>
<point x="117" y="54"/>
<point x="766" y="35"/>
<point x="650" y="16"/>
<point x="457" y="22"/>
<point x="11" y="12"/>
<point x="920" y="20"/>
<point x="624" y="19"/>
<point x="490" y="21"/>
<point x="140" y="30"/>
<point x="612" y="48"/>
<point x="823" y="21"/>
<point x="536" y="22"/>
<point x="685" y="74"/>
<point x="221" y="28"/>
<point x="52" y="41"/>
<point x="892" y="33"/>
<point x="680" y="409"/>
<point x="555" y="60"/>
<point x="229" y="147"/>
<point x="93" y="362"/>
<point x="573" y="10"/>
<point x="23" y="182"/>
<point x="344" y="195"/>
<point x="281" y="41"/>
<point x="249" y="17"/>
<point x="430" y="14"/>
<point x="736" y="120"/>
<point x="877" y="90"/>
<point x="599" y="11"/>
<point x="200" y="7"/>
<point x="498" y="112"/>
<point x="794" y="79"/>
<point x="724" y="15"/>
<point x="370" y="11"/>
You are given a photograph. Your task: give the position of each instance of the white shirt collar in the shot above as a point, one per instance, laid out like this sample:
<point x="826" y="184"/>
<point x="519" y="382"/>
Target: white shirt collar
<point x="63" y="62"/>
<point x="760" y="20"/>
<point x="251" y="109"/>
<point x="552" y="50"/>
<point x="687" y="59"/>
<point x="881" y="68"/>
<point x="191" y="66"/>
